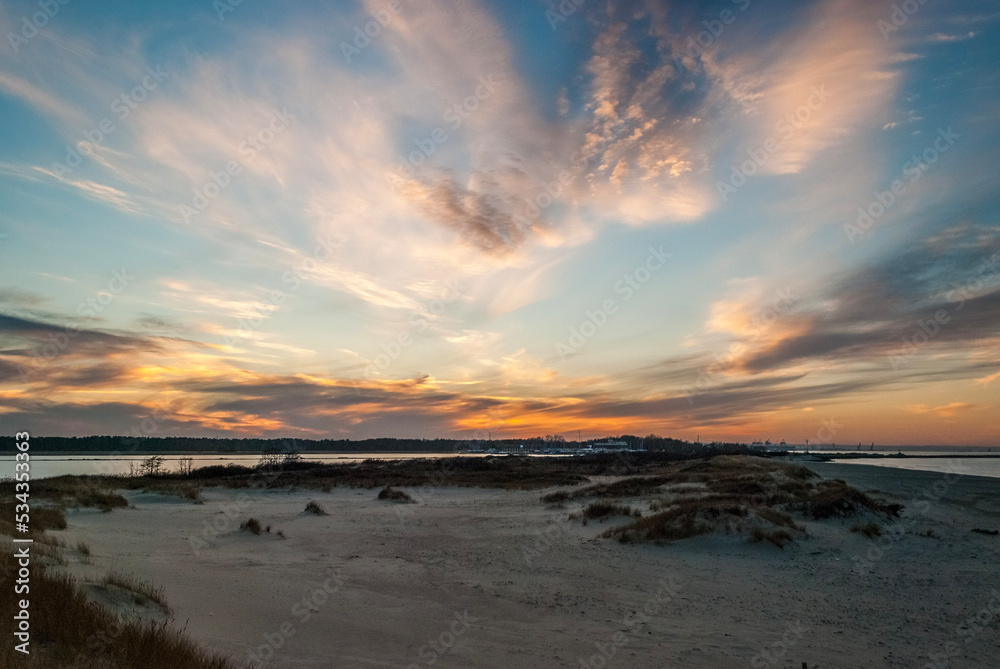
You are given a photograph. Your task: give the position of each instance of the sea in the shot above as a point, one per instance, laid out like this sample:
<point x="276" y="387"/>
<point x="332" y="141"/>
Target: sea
<point x="989" y="466"/>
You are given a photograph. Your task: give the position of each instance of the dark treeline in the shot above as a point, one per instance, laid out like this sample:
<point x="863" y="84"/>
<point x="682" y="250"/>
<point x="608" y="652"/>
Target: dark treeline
<point x="113" y="444"/>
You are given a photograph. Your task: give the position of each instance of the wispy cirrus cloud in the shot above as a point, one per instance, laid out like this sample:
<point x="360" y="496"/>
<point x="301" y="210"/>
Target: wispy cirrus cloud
<point x="486" y="189"/>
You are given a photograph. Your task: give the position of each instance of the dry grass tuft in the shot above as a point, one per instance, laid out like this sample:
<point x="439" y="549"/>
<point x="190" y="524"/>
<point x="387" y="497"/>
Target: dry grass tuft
<point x="870" y="530"/>
<point x="69" y="630"/>
<point x="557" y="497"/>
<point x="777" y="537"/>
<point x="251" y="524"/>
<point x="184" y="490"/>
<point x="142" y="590"/>
<point x="836" y="499"/>
<point x="776" y="517"/>
<point x="313" y="507"/>
<point x="607" y="509"/>
<point x="394" y="495"/>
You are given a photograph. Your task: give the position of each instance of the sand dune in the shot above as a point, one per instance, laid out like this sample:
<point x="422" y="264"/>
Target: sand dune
<point x="489" y="578"/>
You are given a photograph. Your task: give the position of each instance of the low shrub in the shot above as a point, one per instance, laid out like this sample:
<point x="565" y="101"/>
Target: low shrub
<point x="251" y="524"/>
<point x="607" y="509"/>
<point x="870" y="530"/>
<point x="394" y="495"/>
<point x="43" y="518"/>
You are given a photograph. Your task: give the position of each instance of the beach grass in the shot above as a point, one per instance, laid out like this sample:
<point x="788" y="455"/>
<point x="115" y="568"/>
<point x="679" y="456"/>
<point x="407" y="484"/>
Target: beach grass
<point x="314" y="508"/>
<point x="393" y="495"/>
<point x="747" y="495"/>
<point x="141" y="589"/>
<point x="600" y="510"/>
<point x="251" y="524"/>
<point x="870" y="530"/>
<point x="68" y="629"/>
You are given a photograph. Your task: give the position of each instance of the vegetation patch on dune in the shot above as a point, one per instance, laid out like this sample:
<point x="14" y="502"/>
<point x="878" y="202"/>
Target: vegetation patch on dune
<point x="600" y="510"/>
<point x="68" y="629"/>
<point x="314" y="508"/>
<point x="870" y="530"/>
<point x="289" y="470"/>
<point x="747" y="495"/>
<point x="141" y="590"/>
<point x="391" y="494"/>
<point x="73" y="491"/>
<point x="628" y="487"/>
<point x="182" y="489"/>
<point x="253" y="525"/>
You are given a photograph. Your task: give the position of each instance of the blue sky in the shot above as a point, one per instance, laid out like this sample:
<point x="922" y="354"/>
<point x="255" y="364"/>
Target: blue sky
<point x="729" y="219"/>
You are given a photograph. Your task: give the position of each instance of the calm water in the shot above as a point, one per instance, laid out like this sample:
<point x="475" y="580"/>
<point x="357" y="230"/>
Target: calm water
<point x="44" y="466"/>
<point x="957" y="465"/>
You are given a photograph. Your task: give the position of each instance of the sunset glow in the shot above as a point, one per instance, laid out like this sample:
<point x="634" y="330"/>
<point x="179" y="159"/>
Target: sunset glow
<point x="732" y="219"/>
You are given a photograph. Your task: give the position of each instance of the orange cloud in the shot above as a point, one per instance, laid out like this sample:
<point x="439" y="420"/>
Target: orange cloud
<point x="945" y="411"/>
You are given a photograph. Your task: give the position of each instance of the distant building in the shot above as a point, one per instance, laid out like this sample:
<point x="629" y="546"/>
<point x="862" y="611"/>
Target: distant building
<point x="609" y="445"/>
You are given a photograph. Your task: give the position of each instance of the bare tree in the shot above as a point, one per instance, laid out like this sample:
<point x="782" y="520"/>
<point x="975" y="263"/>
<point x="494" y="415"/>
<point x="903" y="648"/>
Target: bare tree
<point x="185" y="466"/>
<point x="151" y="466"/>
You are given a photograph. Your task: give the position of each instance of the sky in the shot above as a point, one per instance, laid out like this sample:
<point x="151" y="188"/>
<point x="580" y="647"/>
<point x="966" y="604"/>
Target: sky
<point x="728" y="220"/>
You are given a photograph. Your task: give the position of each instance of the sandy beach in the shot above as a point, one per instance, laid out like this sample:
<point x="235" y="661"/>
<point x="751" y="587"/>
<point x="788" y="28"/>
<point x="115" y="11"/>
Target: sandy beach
<point x="495" y="579"/>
